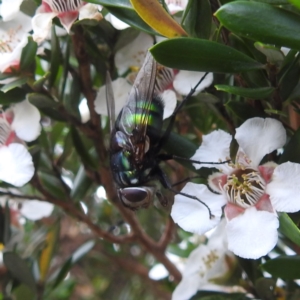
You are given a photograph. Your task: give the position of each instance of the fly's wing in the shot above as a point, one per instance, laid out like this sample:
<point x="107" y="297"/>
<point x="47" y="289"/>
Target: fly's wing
<point x="110" y="102"/>
<point x="135" y="114"/>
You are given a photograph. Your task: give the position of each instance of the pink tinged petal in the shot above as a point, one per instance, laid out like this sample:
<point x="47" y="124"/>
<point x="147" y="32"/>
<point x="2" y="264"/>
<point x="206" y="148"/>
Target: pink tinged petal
<point x="170" y="102"/>
<point x="35" y="210"/>
<point x="216" y="181"/>
<point x="186" y="80"/>
<point x="90" y="11"/>
<point x="26" y="121"/>
<point x="41" y="25"/>
<point x="232" y="211"/>
<point x="193" y="216"/>
<point x="16" y="165"/>
<point x="258" y="137"/>
<point x="252" y="234"/>
<point x="67" y="19"/>
<point x="266" y="171"/>
<point x="284" y="188"/>
<point x="214" y="148"/>
<point x="187" y="287"/>
<point x="9" y="9"/>
<point x="121" y="89"/>
<point x="133" y="54"/>
<point x="265" y="204"/>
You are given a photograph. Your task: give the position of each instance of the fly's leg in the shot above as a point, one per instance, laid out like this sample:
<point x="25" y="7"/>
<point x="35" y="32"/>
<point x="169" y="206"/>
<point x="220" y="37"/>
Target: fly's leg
<point x="166" y="183"/>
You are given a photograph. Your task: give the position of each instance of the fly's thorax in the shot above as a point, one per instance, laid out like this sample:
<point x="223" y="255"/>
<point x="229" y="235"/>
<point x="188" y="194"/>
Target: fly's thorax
<point x="127" y="172"/>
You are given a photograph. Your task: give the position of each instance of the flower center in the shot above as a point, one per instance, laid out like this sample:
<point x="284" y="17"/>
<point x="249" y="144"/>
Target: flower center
<point x="61" y="6"/>
<point x="244" y="187"/>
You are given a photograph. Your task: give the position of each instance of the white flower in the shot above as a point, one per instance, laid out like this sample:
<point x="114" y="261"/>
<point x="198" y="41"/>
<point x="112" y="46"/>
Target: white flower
<point x="68" y="11"/>
<point x="30" y="209"/>
<point x="20" y="122"/>
<point x="13" y="38"/>
<point x="176" y="5"/>
<point x="9" y="9"/>
<point x="252" y="192"/>
<point x="206" y="267"/>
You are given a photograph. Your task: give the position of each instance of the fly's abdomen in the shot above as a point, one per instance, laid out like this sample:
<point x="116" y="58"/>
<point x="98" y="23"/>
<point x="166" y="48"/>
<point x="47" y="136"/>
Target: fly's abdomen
<point x="153" y="119"/>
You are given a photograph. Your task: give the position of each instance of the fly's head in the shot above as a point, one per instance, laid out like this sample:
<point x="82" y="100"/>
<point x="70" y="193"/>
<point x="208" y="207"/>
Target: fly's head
<point x="137" y="197"/>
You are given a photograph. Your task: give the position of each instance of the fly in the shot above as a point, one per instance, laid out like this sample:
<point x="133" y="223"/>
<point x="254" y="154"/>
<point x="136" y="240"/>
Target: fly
<point x="137" y="137"/>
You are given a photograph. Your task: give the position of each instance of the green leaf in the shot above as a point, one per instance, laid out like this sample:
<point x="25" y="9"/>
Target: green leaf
<point x="16" y="83"/>
<point x="124" y="11"/>
<point x="62" y="273"/>
<point x="82" y="251"/>
<point x="79" y="253"/>
<point x="292" y="149"/>
<point x="47" y="105"/>
<point x="289" y="228"/>
<point x="12" y="96"/>
<point x="81" y="184"/>
<point x="202" y="55"/>
<point x="81" y="149"/>
<point x="197" y="18"/>
<point x="244" y="111"/>
<point x="19" y="269"/>
<point x="22" y="292"/>
<point x="273" y="54"/>
<point x="294" y="2"/>
<point x="28" y="54"/>
<point x="261" y="22"/>
<point x="252" y="93"/>
<point x="52" y="185"/>
<point x="55" y="57"/>
<point x="285" y="267"/>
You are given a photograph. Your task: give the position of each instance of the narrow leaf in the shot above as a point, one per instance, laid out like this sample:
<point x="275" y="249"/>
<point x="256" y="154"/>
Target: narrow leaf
<point x="19" y="269"/>
<point x="202" y="55"/>
<point x="156" y="17"/>
<point x="259" y="22"/>
<point x="28" y="54"/>
<point x="48" y="250"/>
<point x="252" y="93"/>
<point x="16" y="83"/>
<point x="289" y="228"/>
<point x="285" y="267"/>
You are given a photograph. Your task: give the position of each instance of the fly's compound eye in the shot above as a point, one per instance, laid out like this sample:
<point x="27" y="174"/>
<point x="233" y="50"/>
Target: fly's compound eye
<point x="136" y="197"/>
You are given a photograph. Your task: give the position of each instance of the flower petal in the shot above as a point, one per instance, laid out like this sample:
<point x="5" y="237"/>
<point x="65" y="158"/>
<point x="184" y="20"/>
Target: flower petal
<point x="193" y="216"/>
<point x="133" y="54"/>
<point x="68" y="18"/>
<point x="35" y="210"/>
<point x="214" y="148"/>
<point x="9" y="9"/>
<point x="170" y="102"/>
<point x="187" y="287"/>
<point x="117" y="23"/>
<point x="253" y="234"/>
<point x="121" y="89"/>
<point x="90" y="11"/>
<point x="16" y="165"/>
<point x="258" y="137"/>
<point x="284" y="188"/>
<point x="26" y="122"/>
<point x="41" y="25"/>
<point x="185" y="80"/>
